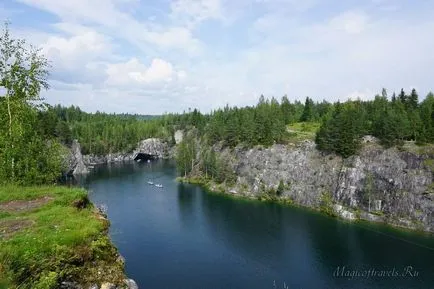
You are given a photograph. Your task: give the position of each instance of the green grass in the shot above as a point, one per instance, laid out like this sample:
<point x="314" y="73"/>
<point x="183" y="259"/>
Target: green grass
<point x="62" y="242"/>
<point x="429" y="163"/>
<point x="424" y="149"/>
<point x="300" y="131"/>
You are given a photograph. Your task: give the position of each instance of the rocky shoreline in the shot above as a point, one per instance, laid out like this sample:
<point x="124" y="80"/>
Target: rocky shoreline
<point x="390" y="186"/>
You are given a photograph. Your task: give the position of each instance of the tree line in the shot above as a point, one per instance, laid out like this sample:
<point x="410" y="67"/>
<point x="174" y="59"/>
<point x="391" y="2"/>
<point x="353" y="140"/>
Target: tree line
<point x="100" y="133"/>
<point x="393" y="121"/>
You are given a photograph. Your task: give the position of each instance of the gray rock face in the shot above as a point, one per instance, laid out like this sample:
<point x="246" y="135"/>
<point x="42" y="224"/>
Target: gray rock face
<point x="304" y="171"/>
<point x="131" y="284"/>
<point x="90" y="160"/>
<point x="70" y="285"/>
<point x="343" y="213"/>
<point x="153" y="146"/>
<point x="179" y="135"/>
<point x="400" y="181"/>
<point x="76" y="163"/>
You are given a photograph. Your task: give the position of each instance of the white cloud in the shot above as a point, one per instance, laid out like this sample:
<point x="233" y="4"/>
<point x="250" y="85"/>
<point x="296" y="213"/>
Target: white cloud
<point x="193" y="12"/>
<point x="174" y="37"/>
<point x="134" y="72"/>
<point x="67" y="51"/>
<point x="123" y="61"/>
<point x="352" y="22"/>
<point x="108" y="16"/>
<point x="289" y="5"/>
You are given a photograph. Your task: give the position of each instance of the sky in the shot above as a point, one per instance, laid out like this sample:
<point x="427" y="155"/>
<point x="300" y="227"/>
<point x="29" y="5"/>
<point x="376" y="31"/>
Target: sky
<point x="157" y="56"/>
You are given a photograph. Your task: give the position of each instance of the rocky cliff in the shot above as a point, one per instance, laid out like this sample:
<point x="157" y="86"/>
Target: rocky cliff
<point x="378" y="184"/>
<point x="75" y="162"/>
<point x="80" y="164"/>
<point x="153" y="146"/>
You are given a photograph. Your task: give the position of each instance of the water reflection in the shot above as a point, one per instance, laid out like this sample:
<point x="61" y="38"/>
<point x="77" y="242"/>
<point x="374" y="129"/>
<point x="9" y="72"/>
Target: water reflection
<point x="186" y="203"/>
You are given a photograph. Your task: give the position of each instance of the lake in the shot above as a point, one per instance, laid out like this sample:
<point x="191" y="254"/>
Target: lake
<point x="181" y="236"/>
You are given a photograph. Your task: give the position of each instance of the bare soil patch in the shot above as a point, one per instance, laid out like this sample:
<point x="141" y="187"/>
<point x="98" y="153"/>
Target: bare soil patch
<point x="24" y="205"/>
<point x="9" y="227"/>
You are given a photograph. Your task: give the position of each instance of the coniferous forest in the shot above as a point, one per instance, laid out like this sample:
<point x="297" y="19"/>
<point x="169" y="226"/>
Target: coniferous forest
<point x="392" y="120"/>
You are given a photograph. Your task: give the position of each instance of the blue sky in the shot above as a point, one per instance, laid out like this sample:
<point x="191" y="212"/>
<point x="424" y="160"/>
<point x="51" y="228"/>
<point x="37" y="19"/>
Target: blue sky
<point x="156" y="56"/>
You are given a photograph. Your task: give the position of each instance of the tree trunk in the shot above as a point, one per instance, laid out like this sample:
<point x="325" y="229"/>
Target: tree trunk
<point x="10" y="134"/>
<point x="369" y="204"/>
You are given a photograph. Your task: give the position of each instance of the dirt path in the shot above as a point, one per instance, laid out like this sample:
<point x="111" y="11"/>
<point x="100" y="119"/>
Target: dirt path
<point x="9" y="227"/>
<point x="24" y="205"/>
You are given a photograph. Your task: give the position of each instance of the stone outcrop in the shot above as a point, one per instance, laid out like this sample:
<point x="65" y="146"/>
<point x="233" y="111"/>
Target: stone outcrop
<point x="179" y="136"/>
<point x="91" y="160"/>
<point x="129" y="284"/>
<point x="80" y="164"/>
<point x="154" y="147"/>
<point x="76" y="165"/>
<point x="378" y="184"/>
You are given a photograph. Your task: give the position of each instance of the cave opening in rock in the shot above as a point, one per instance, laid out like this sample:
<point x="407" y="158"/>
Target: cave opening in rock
<point x="144" y="157"/>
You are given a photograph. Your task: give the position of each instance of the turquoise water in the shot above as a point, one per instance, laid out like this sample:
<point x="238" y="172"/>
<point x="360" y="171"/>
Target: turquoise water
<point x="180" y="236"/>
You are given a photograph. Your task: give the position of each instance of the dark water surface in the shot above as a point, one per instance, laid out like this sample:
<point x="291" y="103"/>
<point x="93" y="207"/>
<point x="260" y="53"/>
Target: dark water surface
<point x="182" y="237"/>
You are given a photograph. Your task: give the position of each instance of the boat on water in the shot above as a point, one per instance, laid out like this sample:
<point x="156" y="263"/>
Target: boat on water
<point x="159" y="185"/>
<point x="151" y="183"/>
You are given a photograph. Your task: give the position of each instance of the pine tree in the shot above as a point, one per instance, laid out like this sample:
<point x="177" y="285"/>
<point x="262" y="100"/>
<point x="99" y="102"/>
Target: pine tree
<point x="341" y="133"/>
<point x="427" y="119"/>
<point x="384" y="93"/>
<point x="288" y="110"/>
<point x="403" y="96"/>
<point x="308" y="110"/>
<point x="413" y="99"/>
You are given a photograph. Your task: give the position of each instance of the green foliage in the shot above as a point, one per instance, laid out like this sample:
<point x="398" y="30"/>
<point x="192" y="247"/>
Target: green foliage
<point x="208" y="162"/>
<point x="393" y="122"/>
<point x="308" y="110"/>
<point x="426" y="110"/>
<point x="429" y="163"/>
<point x="280" y="188"/>
<point x="103" y="133"/>
<point x="224" y="172"/>
<point x="186" y="155"/>
<point x="341" y="133"/>
<point x="49" y="280"/>
<point x="205" y="163"/>
<point x="61" y="241"/>
<point x="25" y="155"/>
<point x="391" y="127"/>
<point x="300" y="131"/>
<point x="263" y="124"/>
<point x="326" y="205"/>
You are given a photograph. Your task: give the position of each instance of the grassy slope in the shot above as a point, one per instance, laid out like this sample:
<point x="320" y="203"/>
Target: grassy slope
<point x="62" y="241"/>
<point x="301" y="131"/>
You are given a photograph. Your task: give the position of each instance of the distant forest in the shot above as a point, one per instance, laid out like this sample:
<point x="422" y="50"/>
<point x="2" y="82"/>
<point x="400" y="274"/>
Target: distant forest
<point x="392" y="119"/>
